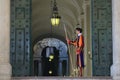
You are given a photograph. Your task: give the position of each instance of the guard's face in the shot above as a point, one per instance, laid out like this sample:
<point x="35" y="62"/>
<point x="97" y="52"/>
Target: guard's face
<point x="77" y="32"/>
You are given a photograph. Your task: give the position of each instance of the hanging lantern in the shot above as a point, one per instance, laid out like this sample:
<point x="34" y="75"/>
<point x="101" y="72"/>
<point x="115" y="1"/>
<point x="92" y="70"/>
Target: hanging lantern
<point x="55" y="19"/>
<point x="51" y="56"/>
<point x="50" y="71"/>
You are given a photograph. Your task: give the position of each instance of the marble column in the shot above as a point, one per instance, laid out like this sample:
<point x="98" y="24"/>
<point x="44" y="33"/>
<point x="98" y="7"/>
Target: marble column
<point x="115" y="69"/>
<point x="87" y="40"/>
<point x="60" y="68"/>
<point x="5" y="67"/>
<point x="67" y="68"/>
<point x="40" y="67"/>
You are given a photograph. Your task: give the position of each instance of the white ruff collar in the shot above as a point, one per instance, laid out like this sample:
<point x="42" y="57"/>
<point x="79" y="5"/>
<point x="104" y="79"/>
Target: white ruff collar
<point x="79" y="34"/>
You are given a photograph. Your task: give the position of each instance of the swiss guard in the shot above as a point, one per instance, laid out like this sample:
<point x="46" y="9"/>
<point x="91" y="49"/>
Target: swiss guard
<point x="79" y="44"/>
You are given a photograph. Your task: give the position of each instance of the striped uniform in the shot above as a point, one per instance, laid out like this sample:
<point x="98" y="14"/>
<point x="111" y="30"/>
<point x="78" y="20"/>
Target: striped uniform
<point x="79" y="43"/>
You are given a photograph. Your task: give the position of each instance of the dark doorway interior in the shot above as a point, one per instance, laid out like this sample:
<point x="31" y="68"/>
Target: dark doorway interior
<point x="50" y="61"/>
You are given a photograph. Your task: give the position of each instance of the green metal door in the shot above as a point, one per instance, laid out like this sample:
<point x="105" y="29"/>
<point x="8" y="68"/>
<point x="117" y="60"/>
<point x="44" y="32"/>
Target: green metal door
<point x="20" y="55"/>
<point x="101" y="37"/>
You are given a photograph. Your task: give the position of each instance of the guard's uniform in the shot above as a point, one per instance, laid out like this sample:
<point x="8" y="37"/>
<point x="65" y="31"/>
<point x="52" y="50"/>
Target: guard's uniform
<point x="79" y="43"/>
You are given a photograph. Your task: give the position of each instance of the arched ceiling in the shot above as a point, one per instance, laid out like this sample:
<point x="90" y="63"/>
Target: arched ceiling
<point x="69" y="10"/>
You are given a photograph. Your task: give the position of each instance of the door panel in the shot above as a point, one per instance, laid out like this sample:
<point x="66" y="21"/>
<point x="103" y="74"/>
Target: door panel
<point x="20" y="55"/>
<point x="101" y="37"/>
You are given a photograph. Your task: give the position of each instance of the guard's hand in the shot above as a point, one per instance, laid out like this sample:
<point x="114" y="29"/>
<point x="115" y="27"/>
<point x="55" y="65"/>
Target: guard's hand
<point x="78" y="51"/>
<point x="68" y="41"/>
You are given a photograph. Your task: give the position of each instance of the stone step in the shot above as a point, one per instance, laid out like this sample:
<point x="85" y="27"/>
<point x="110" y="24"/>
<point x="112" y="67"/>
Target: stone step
<point x="62" y="78"/>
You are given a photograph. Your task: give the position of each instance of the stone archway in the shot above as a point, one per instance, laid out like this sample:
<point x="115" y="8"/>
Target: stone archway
<point x="62" y="57"/>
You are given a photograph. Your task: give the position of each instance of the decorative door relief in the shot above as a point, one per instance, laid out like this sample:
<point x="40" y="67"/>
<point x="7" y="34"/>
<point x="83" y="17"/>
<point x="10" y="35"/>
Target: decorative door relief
<point x="101" y="37"/>
<point x="20" y="55"/>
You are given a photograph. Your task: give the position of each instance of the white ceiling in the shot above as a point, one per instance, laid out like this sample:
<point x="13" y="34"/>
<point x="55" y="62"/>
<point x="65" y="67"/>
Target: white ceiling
<point x="69" y="10"/>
